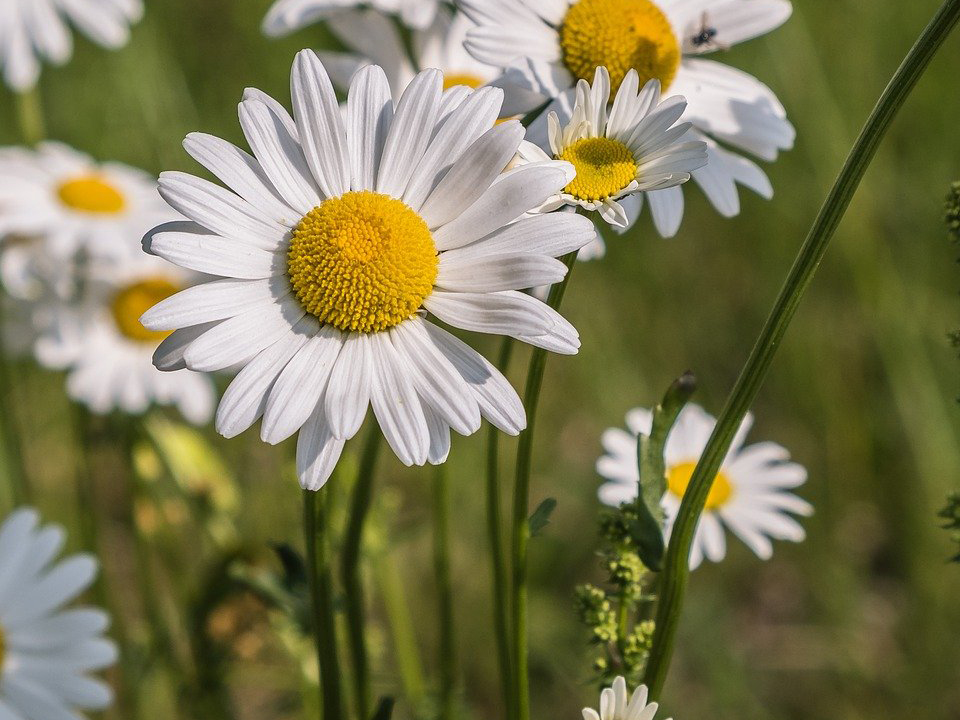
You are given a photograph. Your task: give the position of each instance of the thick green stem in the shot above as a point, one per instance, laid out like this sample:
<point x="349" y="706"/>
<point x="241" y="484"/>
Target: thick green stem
<point x="441" y="562"/>
<point x="350" y="571"/>
<point x="521" y="512"/>
<point x="497" y="556"/>
<point x="30" y="116"/>
<point x="676" y="572"/>
<point x="321" y="596"/>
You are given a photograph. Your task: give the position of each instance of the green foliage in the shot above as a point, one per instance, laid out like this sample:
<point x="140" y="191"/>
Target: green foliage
<point x="541" y="516"/>
<point x="953" y="211"/>
<point x="951" y="516"/>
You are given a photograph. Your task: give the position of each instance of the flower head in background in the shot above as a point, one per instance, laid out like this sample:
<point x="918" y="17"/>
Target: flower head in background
<point x="47" y="652"/>
<point x="35" y="29"/>
<point x="616" y="704"/>
<point x="341" y="234"/>
<point x="750" y="494"/>
<point x="635" y="148"/>
<point x="546" y="47"/>
<point x="75" y="204"/>
<point x="287" y="16"/>
<point x="373" y="39"/>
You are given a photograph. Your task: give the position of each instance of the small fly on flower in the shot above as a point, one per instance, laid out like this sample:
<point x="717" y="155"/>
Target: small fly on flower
<point x="705" y="37"/>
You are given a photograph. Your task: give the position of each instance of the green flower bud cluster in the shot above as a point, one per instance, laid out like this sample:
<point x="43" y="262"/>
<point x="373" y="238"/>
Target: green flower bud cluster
<point x="951" y="515"/>
<point x="596" y="612"/>
<point x="953" y="211"/>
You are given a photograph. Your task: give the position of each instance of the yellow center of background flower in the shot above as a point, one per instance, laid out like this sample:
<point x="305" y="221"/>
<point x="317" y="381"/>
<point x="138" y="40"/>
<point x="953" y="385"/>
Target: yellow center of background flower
<point x="604" y="168"/>
<point x="363" y="262"/>
<point x="92" y="194"/>
<point x="678" y="478"/>
<point x="453" y="79"/>
<point x="620" y="34"/>
<point x="130" y="303"/>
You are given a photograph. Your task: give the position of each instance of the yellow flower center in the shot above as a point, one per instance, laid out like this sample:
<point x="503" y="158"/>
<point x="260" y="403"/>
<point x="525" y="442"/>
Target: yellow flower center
<point x="604" y="168"/>
<point x="620" y="34"/>
<point x="363" y="262"/>
<point x="131" y="302"/>
<point x="92" y="194"/>
<point x="471" y="81"/>
<point x="678" y="478"/>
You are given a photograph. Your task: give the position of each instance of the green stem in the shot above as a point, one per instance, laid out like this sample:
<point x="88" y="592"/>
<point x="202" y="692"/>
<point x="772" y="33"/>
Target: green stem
<point x="521" y="511"/>
<point x="441" y="563"/>
<point x="30" y="116"/>
<point x="495" y="535"/>
<point x="350" y="570"/>
<point x="321" y="596"/>
<point x="676" y="572"/>
<point x="11" y="454"/>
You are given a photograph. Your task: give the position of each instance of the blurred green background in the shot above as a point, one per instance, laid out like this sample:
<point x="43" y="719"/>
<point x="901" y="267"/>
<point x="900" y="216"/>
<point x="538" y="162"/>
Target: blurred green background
<point x="860" y="621"/>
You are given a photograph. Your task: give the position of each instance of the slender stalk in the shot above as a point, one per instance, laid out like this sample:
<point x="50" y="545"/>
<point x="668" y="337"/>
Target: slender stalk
<point x="350" y="571"/>
<point x="497" y="556"/>
<point x="676" y="569"/>
<point x="521" y="512"/>
<point x="441" y="563"/>
<point x="11" y="456"/>
<point x="321" y="596"/>
<point x="30" y="116"/>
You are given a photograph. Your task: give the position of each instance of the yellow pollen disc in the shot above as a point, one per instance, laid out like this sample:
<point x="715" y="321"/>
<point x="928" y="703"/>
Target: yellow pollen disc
<point x="363" y="262"/>
<point x="620" y="34"/>
<point x="133" y="301"/>
<point x="453" y="79"/>
<point x="92" y="194"/>
<point x="604" y="168"/>
<point x="678" y="478"/>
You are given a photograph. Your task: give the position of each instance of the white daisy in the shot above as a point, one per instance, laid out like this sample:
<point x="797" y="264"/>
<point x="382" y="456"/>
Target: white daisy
<point x="74" y="203"/>
<point x="35" y="29"/>
<point x="615" y="704"/>
<point x="287" y="16"/>
<point x="545" y="47"/>
<point x="341" y="234"/>
<point x="373" y="39"/>
<point x="46" y="651"/>
<point x="749" y="495"/>
<point x="634" y="149"/>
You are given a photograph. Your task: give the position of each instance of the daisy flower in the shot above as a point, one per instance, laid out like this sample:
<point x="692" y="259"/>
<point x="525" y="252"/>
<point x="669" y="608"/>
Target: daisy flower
<point x="545" y="47"/>
<point x="373" y="39"/>
<point x="287" y="16"/>
<point x="46" y="651"/>
<point x="615" y="704"/>
<point x="749" y="495"/>
<point x="74" y="203"/>
<point x="634" y="149"/>
<point x="35" y="29"/>
<point x="342" y="234"/>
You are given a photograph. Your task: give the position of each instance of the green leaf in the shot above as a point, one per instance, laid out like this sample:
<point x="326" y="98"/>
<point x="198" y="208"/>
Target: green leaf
<point x="384" y="709"/>
<point x="541" y="516"/>
<point x="294" y="568"/>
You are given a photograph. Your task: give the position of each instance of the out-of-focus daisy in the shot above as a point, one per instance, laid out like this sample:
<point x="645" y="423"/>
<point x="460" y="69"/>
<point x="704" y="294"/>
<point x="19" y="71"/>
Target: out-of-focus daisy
<point x="750" y="494"/>
<point x="47" y="652"/>
<point x="74" y="203"/>
<point x="545" y="47"/>
<point x="616" y="704"/>
<point x="287" y="16"/>
<point x="35" y="29"/>
<point x="373" y="39"/>
<point x="635" y="148"/>
<point x="97" y="337"/>
<point x="341" y="235"/>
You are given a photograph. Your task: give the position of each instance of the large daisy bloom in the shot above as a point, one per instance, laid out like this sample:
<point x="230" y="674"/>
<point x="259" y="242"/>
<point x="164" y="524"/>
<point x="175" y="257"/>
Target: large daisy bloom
<point x="616" y="704"/>
<point x="342" y="234"/>
<point x="287" y="16"/>
<point x="545" y="47"/>
<point x="749" y="495"/>
<point x="47" y="652"/>
<point x="634" y="148"/>
<point x="74" y="203"/>
<point x="373" y="39"/>
<point x="35" y="29"/>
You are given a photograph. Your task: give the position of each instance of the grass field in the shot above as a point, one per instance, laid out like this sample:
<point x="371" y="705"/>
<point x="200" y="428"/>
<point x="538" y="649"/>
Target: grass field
<point x="858" y="622"/>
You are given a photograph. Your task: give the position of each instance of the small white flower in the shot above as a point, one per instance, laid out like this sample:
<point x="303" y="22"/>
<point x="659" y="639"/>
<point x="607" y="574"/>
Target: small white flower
<point x="545" y="47"/>
<point x="342" y="234"/>
<point x="287" y="16"/>
<point x="47" y="652"/>
<point x="35" y="29"/>
<point x="637" y="147"/>
<point x="74" y="203"/>
<point x="749" y="495"/>
<point x="615" y="704"/>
